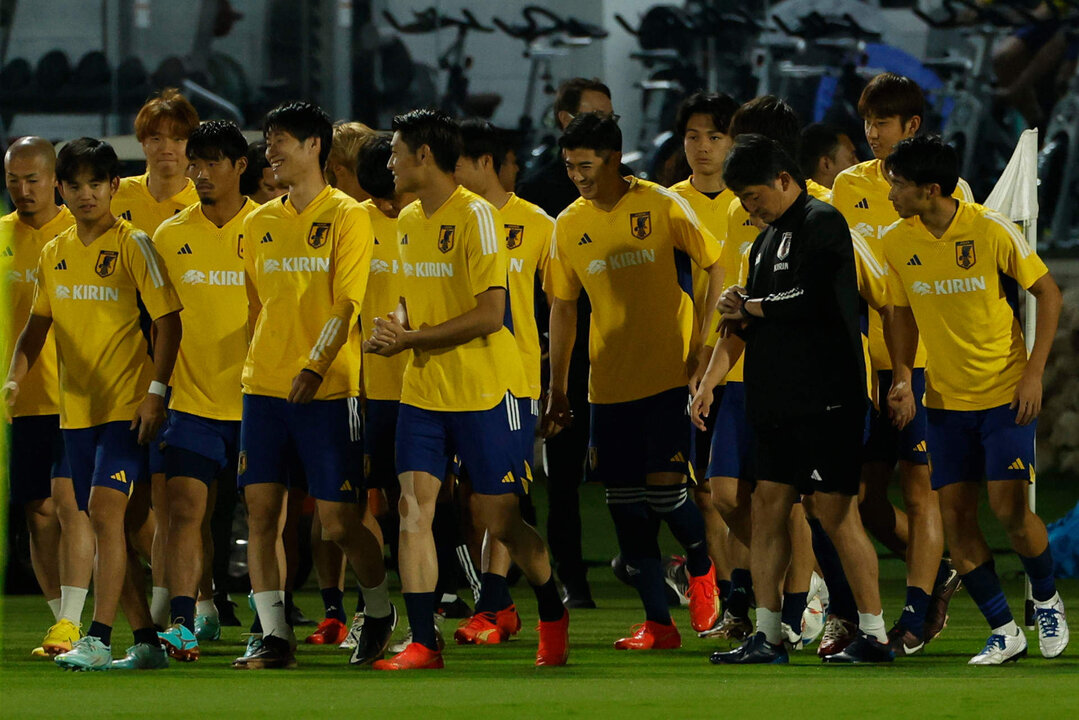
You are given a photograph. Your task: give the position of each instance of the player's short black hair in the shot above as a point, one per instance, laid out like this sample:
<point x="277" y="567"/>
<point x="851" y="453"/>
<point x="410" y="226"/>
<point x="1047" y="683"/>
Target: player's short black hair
<point x="888" y="95"/>
<point x="719" y="106"/>
<point x="758" y="160"/>
<point x="256" y="163"/>
<point x="374" y="176"/>
<point x="436" y="130"/>
<point x="87" y="154"/>
<point x="818" y="140"/>
<point x="479" y="138"/>
<point x="592" y="131"/>
<point x="771" y="117"/>
<point x="568" y="97"/>
<point x="216" y="139"/>
<point x="302" y="120"/>
<point x="924" y="160"/>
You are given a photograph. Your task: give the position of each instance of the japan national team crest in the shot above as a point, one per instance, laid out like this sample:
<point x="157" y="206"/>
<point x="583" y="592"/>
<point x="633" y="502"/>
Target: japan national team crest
<point x="640" y="224"/>
<point x="445" y="237"/>
<point x="319" y="234"/>
<point x="964" y="254"/>
<point x="106" y="263"/>
<point x="515" y="235"/>
<point x="784" y="248"/>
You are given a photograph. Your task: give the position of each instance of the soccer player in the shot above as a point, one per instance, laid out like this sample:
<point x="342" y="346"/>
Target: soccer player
<point x="824" y="152"/>
<point x="702" y="123"/>
<point x="307" y="260"/>
<point x="954" y="271"/>
<point x="463" y="383"/>
<point x="162" y="127"/>
<point x="61" y="539"/>
<point x="526" y="231"/>
<point x="92" y="282"/>
<point x="629" y="245"/>
<point x="348" y="138"/>
<point x="805" y="389"/>
<point x="892" y="107"/>
<point x="201" y="248"/>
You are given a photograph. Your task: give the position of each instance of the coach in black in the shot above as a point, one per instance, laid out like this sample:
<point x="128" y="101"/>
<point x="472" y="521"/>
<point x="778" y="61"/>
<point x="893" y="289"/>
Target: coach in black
<point x="805" y="389"/>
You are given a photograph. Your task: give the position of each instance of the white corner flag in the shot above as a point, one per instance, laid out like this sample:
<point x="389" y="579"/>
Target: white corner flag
<point x="1016" y="197"/>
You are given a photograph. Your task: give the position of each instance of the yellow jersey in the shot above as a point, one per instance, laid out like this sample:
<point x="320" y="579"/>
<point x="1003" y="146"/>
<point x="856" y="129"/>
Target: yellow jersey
<point x="206" y="265"/>
<point x="92" y="294"/>
<point x="39" y="393"/>
<point x="448" y="259"/>
<point x="528" y="236"/>
<point x="134" y="203"/>
<point x="382" y="375"/>
<point x="307" y="273"/>
<point x="861" y="193"/>
<point x="634" y="263"/>
<point x="963" y="292"/>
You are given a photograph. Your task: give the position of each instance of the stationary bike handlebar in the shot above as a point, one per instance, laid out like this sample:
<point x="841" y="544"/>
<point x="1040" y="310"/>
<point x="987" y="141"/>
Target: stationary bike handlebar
<point x="532" y="30"/>
<point x="431" y="20"/>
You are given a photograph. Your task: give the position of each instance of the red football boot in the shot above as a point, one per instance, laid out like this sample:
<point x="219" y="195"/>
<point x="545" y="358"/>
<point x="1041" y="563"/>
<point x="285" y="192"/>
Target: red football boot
<point x="330" y="631"/>
<point x="651" y="636"/>
<point x="704" y="607"/>
<point x="553" y="642"/>
<point x="413" y="657"/>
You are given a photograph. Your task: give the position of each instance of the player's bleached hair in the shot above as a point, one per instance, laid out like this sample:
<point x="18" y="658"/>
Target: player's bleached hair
<point x="87" y="154"/>
<point x="348" y="139"/>
<point x="771" y="117"/>
<point x="925" y="160"/>
<point x="479" y="138"/>
<point x="595" y="131"/>
<point x="372" y="172"/>
<point x="166" y="112"/>
<point x="889" y="95"/>
<point x="302" y="120"/>
<point x="758" y="160"/>
<point x="718" y="106"/>
<point x="216" y="139"/>
<point x="435" y="129"/>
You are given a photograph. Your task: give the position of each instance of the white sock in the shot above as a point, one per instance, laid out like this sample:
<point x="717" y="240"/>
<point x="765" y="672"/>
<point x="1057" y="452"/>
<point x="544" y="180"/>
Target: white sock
<point x="270" y="605"/>
<point x="54" y="605"/>
<point x="71" y="601"/>
<point x="1009" y="629"/>
<point x="770" y="622"/>
<point x="376" y="600"/>
<point x="873" y="626"/>
<point x="159" y="606"/>
<point x="206" y="607"/>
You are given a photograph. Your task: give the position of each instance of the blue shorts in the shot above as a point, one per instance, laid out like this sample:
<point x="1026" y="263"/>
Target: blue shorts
<point x="156" y="448"/>
<point x="107" y="455"/>
<point x="631" y="440"/>
<point x="198" y="447"/>
<point x="325" y="436"/>
<point x="487" y="442"/>
<point x="379" y="453"/>
<point x="732" y="437"/>
<point x="702" y="439"/>
<point x="888" y="445"/>
<point x="969" y="445"/>
<point x="528" y="411"/>
<point x="36" y="457"/>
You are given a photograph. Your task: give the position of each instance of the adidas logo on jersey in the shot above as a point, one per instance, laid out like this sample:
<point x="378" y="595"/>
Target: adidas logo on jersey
<point x="8" y="252"/>
<point x="120" y="477"/>
<point x="747" y="223"/>
<point x="126" y="215"/>
<point x="585" y="240"/>
<point x="404" y="240"/>
<point x="1017" y="464"/>
<point x="62" y="265"/>
<point x="816" y="476"/>
<point x="862" y="204"/>
<point x="920" y="447"/>
<point x="267" y="238"/>
<point x="185" y="250"/>
<point x="914" y="260"/>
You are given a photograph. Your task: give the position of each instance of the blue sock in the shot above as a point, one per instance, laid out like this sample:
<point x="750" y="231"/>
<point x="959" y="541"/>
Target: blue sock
<point x="493" y="590"/>
<point x="794" y="605"/>
<point x="913" y="615"/>
<point x="182" y="609"/>
<point x="983" y="585"/>
<point x="637" y="528"/>
<point x="146" y="636"/>
<point x="840" y="598"/>
<point x="741" y="586"/>
<point x="421" y="617"/>
<point x="683" y="517"/>
<point x="101" y="631"/>
<point x="332" y="600"/>
<point x="650" y="587"/>
<point x="1039" y="569"/>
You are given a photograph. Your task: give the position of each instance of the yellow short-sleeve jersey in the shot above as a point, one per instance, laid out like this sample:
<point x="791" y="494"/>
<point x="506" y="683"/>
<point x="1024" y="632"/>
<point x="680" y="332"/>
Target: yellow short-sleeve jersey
<point x="964" y="291"/>
<point x="308" y="273"/>
<point x="382" y="375"/>
<point x="528" y="234"/>
<point x="20" y="248"/>
<point x="448" y="259"/>
<point x="861" y="193"/>
<point x="134" y="203"/>
<point x="634" y="262"/>
<point x="92" y="294"/>
<point x="206" y="265"/>
<point x="712" y="212"/>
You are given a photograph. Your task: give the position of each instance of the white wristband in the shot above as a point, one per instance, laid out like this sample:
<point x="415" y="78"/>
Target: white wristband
<point x="158" y="388"/>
